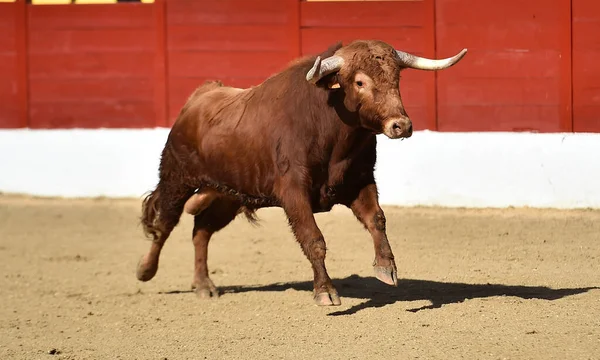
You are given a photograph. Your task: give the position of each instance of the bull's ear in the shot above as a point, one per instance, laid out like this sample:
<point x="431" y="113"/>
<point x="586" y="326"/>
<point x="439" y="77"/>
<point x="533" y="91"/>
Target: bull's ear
<point x="332" y="81"/>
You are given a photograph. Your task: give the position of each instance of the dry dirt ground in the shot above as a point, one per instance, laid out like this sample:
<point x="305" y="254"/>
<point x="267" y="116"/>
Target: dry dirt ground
<point x="475" y="284"/>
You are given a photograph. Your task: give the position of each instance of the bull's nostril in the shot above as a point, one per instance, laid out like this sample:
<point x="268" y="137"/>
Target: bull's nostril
<point x="396" y="126"/>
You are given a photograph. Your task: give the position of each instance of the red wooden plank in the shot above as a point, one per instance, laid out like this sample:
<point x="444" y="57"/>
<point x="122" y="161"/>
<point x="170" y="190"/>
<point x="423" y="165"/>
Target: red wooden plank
<point x="293" y="29"/>
<point x="363" y="14"/>
<point x="94" y="89"/>
<point x="228" y="37"/>
<point x="91" y="16"/>
<point x="587" y="119"/>
<point x="160" y="64"/>
<point x="501" y="63"/>
<point x="499" y="91"/>
<point x="587" y="91"/>
<point x="586" y="77"/>
<point x="515" y="73"/>
<point x="8" y="69"/>
<point x="586" y="72"/>
<point x="21" y="33"/>
<point x="11" y="81"/>
<point x="230" y="12"/>
<point x="528" y="15"/>
<point x="8" y="41"/>
<point x="429" y="40"/>
<point x="462" y="117"/>
<point x="500" y="36"/>
<point x="91" y="114"/>
<point x="91" y="40"/>
<point x="8" y="15"/>
<point x="226" y="64"/>
<point x="413" y="88"/>
<point x="566" y="81"/>
<point x="100" y="65"/>
<point x="316" y="40"/>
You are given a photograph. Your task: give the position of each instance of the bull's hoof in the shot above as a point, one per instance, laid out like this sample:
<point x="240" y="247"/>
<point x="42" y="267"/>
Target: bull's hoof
<point x="330" y="298"/>
<point x="146" y="269"/>
<point x="388" y="275"/>
<point x="205" y="289"/>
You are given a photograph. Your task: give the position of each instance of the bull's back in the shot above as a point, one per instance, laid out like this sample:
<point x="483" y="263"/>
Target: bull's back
<point x="230" y="144"/>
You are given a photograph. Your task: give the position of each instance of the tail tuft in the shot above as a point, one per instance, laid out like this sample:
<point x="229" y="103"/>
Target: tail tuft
<point x="250" y="215"/>
<point x="150" y="215"/>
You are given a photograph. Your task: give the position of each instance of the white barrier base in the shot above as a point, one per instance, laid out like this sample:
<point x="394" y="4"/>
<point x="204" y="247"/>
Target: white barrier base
<point x="430" y="169"/>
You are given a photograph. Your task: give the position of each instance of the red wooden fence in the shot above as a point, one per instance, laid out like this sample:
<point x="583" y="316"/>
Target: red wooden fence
<point x="517" y="74"/>
<point x="531" y="65"/>
<point x="91" y="66"/>
<point x="586" y="65"/>
<point x="13" y="65"/>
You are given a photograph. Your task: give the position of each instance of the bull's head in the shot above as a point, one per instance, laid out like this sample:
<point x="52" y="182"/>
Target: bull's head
<point x="367" y="74"/>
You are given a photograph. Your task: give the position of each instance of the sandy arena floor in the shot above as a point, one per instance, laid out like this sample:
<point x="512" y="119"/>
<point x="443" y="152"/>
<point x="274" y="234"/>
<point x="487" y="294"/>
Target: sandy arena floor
<point x="475" y="284"/>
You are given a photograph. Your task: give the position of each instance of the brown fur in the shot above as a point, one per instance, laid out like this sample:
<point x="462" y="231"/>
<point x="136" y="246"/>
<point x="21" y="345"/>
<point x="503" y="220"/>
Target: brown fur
<point x="284" y="143"/>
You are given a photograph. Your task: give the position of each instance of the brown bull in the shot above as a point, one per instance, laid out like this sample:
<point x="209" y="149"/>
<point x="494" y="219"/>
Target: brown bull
<point x="303" y="140"/>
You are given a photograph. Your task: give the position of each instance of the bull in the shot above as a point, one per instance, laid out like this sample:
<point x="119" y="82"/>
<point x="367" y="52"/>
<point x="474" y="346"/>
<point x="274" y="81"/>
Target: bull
<point x="303" y="140"/>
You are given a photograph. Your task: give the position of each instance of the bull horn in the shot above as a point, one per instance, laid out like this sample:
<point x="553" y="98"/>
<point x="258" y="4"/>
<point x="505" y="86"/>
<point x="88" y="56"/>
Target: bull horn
<point x="421" y="63"/>
<point x="329" y="65"/>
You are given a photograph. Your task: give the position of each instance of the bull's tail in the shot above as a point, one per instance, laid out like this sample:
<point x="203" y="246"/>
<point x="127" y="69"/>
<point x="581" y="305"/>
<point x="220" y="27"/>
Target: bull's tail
<point x="250" y="215"/>
<point x="150" y="214"/>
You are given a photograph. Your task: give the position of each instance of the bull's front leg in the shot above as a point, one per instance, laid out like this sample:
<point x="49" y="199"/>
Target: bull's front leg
<point x="297" y="207"/>
<point x="367" y="210"/>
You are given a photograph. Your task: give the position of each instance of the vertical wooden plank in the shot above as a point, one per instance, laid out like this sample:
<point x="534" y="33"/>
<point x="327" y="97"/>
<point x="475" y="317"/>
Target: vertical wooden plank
<point x="511" y="80"/>
<point x="566" y="68"/>
<point x="429" y="27"/>
<point x="22" y="62"/>
<point x="585" y="70"/>
<point x="294" y="29"/>
<point x="160" y="64"/>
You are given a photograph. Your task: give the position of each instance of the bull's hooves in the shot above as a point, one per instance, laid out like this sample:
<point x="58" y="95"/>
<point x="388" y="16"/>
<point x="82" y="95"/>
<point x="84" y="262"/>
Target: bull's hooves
<point x="328" y="299"/>
<point x="386" y="275"/>
<point x="206" y="293"/>
<point x="205" y="289"/>
<point x="145" y="271"/>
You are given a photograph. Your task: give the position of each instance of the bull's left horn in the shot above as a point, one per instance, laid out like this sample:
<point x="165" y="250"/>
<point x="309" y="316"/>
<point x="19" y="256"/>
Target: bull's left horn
<point x="329" y="65"/>
<point x="421" y="63"/>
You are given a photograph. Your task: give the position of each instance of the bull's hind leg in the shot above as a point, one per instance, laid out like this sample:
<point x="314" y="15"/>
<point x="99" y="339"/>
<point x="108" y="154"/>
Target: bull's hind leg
<point x="215" y="216"/>
<point x="161" y="212"/>
<point x="367" y="210"/>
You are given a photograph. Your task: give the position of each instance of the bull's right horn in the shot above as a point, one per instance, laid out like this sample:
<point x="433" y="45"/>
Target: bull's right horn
<point x="421" y="63"/>
<point x="329" y="65"/>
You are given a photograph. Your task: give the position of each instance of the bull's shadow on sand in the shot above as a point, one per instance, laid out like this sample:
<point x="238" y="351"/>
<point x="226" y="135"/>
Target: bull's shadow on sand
<point x="378" y="294"/>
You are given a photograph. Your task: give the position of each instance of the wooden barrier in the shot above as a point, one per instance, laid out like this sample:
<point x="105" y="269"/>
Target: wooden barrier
<point x="13" y="65"/>
<point x="531" y="65"/>
<point x="92" y="66"/>
<point x="516" y="76"/>
<point x="586" y="66"/>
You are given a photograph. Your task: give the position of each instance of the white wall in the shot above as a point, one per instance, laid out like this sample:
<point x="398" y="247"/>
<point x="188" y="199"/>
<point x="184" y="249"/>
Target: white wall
<point x="446" y="169"/>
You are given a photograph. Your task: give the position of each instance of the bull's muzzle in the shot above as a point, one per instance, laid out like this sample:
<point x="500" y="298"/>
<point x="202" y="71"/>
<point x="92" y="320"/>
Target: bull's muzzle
<point x="396" y="128"/>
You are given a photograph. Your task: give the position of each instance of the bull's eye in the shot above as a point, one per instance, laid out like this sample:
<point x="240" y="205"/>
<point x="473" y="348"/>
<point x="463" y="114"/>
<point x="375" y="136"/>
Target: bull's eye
<point x="359" y="83"/>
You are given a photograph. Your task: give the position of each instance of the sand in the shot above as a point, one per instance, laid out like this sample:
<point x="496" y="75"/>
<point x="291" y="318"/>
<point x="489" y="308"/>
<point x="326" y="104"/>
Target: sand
<point x="473" y="284"/>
